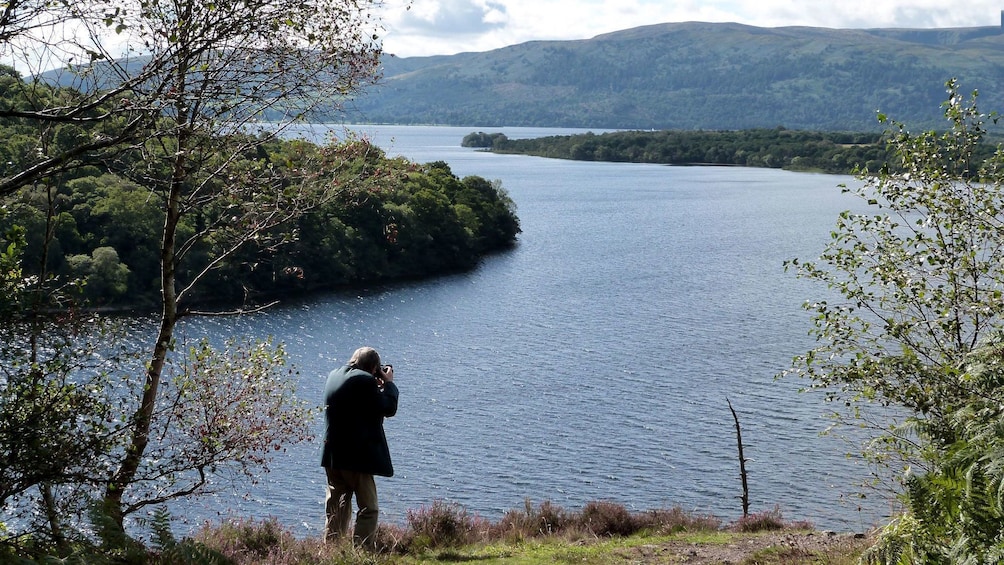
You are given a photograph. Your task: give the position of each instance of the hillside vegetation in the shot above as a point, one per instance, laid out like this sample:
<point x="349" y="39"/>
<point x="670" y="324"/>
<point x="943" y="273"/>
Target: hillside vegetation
<point x="830" y="152"/>
<point x="601" y="532"/>
<point x="400" y="220"/>
<point x="386" y="219"/>
<point x="695" y="76"/>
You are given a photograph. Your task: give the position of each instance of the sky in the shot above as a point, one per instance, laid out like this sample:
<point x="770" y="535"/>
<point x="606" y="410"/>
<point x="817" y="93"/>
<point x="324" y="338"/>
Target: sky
<point x="446" y="27"/>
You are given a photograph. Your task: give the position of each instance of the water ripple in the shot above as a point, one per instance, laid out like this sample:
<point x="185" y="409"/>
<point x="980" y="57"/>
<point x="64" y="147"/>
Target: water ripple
<point x="594" y="361"/>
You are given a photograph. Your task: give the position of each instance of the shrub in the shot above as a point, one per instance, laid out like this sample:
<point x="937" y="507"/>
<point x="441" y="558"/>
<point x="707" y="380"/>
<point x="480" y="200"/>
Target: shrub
<point x="249" y="542"/>
<point x="547" y="519"/>
<point x="443" y="525"/>
<point x="765" y="521"/>
<point x="246" y="537"/>
<point x="603" y="518"/>
<point x="389" y="538"/>
<point x="675" y="520"/>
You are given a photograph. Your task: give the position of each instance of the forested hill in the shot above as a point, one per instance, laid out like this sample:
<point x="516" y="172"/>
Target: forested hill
<point x="697" y="76"/>
<point x="830" y="152"/>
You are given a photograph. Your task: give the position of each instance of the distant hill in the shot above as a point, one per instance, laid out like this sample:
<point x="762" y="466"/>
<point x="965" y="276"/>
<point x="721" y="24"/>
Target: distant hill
<point x="697" y="76"/>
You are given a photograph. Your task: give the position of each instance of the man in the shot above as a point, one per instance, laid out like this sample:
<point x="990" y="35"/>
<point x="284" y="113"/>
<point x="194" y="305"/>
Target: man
<point x="357" y="398"/>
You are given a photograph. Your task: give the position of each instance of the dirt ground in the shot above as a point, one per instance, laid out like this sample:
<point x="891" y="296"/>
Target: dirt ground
<point x="787" y="547"/>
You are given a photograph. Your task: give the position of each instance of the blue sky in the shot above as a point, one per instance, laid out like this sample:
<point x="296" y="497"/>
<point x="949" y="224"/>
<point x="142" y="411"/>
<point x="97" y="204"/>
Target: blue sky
<point x="443" y="27"/>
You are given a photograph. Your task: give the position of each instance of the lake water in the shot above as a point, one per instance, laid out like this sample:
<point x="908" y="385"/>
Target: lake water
<point x="595" y="360"/>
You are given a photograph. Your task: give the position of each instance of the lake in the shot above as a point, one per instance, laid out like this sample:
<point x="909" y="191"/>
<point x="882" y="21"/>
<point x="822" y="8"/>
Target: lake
<point x="594" y="361"/>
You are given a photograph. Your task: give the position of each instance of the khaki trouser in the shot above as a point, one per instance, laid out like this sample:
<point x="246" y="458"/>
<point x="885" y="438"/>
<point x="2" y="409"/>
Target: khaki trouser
<point x="338" y="506"/>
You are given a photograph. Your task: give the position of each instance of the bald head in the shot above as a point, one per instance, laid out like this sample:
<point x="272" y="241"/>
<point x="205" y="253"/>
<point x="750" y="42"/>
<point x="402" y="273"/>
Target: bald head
<point x="367" y="359"/>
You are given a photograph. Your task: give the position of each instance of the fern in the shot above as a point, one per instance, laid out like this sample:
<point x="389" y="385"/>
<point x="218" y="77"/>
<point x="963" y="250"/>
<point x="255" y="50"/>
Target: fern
<point x="185" y="552"/>
<point x="115" y="544"/>
<point x="160" y="526"/>
<point x="956" y="509"/>
<point x="901" y="542"/>
<point x="189" y="552"/>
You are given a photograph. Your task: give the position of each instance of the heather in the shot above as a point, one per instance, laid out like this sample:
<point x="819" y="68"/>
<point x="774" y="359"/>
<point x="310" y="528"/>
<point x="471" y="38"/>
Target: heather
<point x="448" y="532"/>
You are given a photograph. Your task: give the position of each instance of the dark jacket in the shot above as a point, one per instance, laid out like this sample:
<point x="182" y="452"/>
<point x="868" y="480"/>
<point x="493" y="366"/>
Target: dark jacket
<point x="354" y="411"/>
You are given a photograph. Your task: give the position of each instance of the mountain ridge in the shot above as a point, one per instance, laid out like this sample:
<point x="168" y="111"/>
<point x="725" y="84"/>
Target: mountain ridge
<point x="696" y="75"/>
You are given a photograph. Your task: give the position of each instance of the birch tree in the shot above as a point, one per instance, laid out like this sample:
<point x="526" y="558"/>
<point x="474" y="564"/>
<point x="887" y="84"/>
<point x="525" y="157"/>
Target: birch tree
<point x="919" y="278"/>
<point x="189" y="93"/>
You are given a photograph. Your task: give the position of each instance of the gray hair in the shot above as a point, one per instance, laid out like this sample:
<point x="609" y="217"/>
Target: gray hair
<point x="366" y="359"/>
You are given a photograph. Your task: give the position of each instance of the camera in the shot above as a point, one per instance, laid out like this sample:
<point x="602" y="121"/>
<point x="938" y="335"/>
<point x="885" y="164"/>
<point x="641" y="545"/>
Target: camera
<point x="386" y="368"/>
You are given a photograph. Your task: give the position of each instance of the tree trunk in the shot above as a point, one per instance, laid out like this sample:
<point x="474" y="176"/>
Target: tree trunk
<point x="742" y="463"/>
<point x="142" y="419"/>
<point x="52" y="516"/>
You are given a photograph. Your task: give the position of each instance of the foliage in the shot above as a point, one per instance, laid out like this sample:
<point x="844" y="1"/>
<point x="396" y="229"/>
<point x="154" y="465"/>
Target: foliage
<point x="169" y="551"/>
<point x="674" y="520"/>
<point x="605" y="518"/>
<point x="547" y="519"/>
<point x="671" y="534"/>
<point x="482" y="139"/>
<point x="919" y="274"/>
<point x="59" y="397"/>
<point x="249" y="541"/>
<point x="225" y="412"/>
<point x="400" y="221"/>
<point x="442" y="527"/>
<point x="54" y="132"/>
<point x="58" y="404"/>
<point x="102" y="273"/>
<point x="918" y="330"/>
<point x="902" y="542"/>
<point x="956" y="508"/>
<point x="12" y="242"/>
<point x="108" y="546"/>
<point x="376" y="219"/>
<point x="167" y="150"/>
<point x="761" y="521"/>
<point x="831" y="152"/>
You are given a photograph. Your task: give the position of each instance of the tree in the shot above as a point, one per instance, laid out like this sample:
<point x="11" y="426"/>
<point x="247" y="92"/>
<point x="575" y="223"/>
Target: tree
<point x="11" y="279"/>
<point x="919" y="272"/>
<point x="57" y="399"/>
<point x="102" y="272"/>
<point x="182" y="88"/>
<point x="218" y="68"/>
<point x="50" y="120"/>
<point x="920" y="277"/>
<point x="223" y="408"/>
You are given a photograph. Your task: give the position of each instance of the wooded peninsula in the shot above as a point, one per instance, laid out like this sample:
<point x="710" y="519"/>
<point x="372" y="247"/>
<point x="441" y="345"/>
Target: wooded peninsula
<point x="815" y="151"/>
<point x="379" y="219"/>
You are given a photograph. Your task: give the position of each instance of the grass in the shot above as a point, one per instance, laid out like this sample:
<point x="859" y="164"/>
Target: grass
<point x="602" y="532"/>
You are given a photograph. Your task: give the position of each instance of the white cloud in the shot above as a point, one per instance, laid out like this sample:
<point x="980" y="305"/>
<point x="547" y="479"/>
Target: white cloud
<point x="434" y="27"/>
<point x="453" y="17"/>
